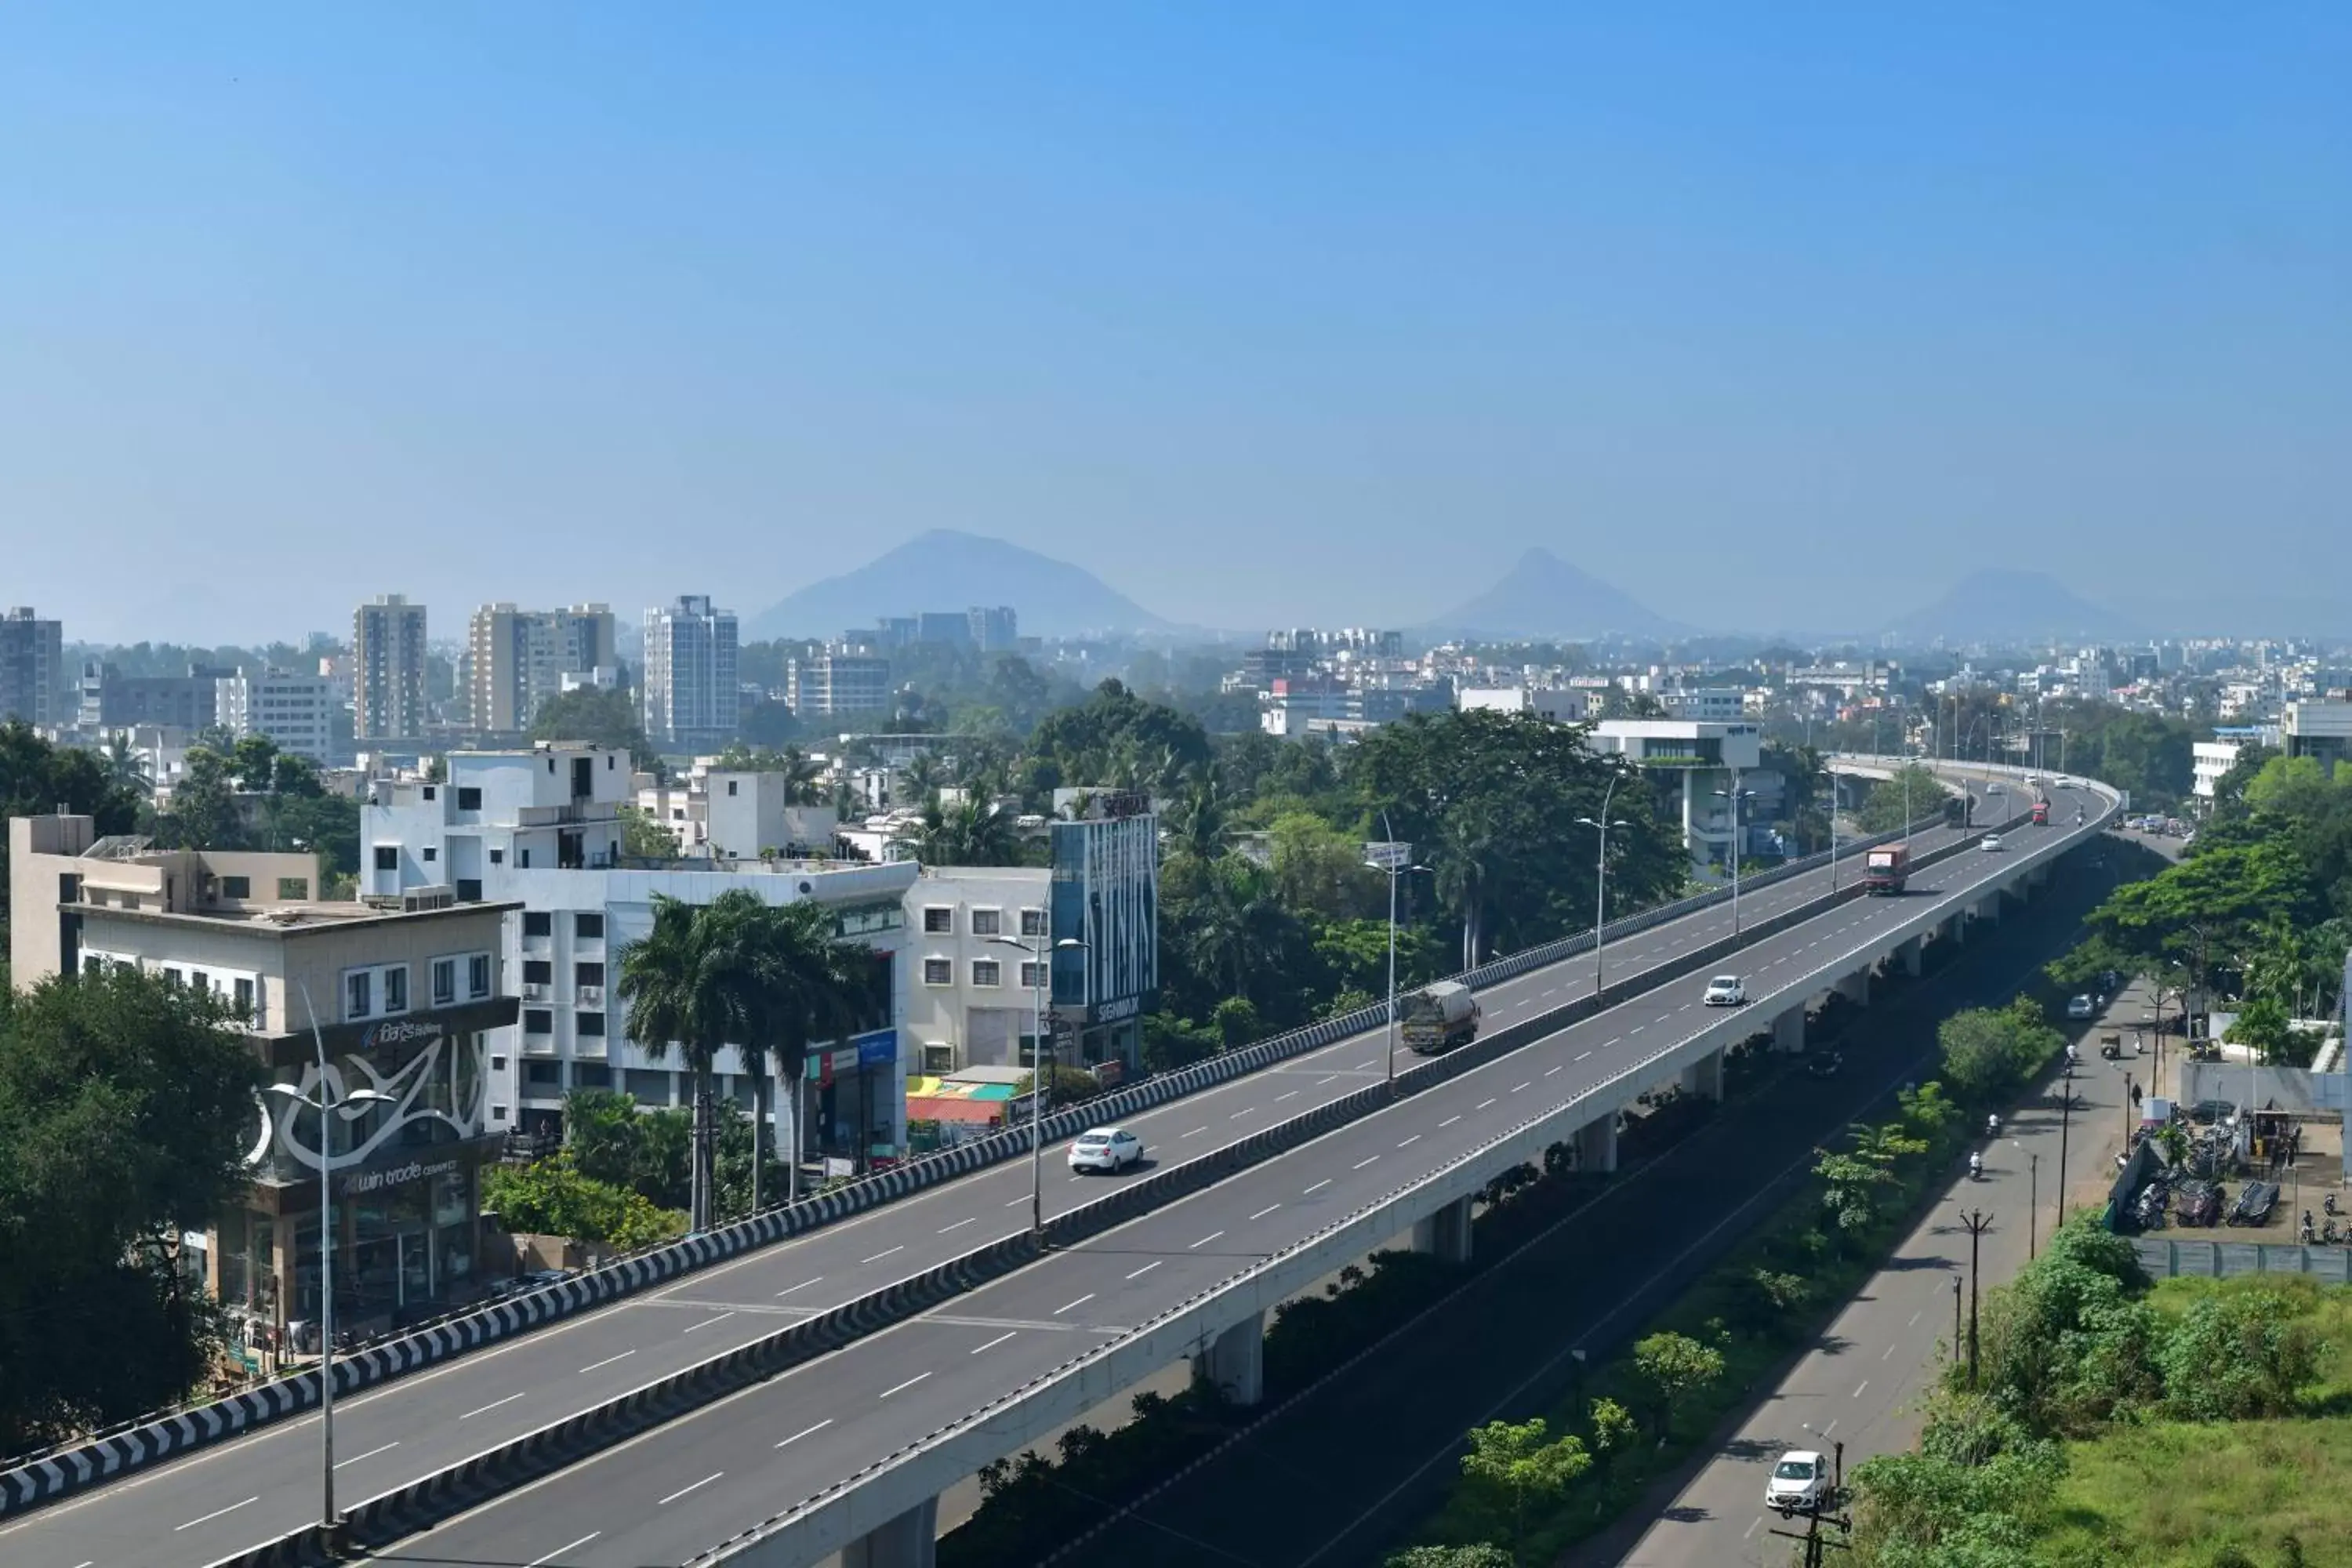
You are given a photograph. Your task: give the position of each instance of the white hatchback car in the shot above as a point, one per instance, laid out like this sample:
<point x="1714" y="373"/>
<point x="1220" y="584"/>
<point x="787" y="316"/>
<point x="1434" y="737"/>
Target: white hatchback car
<point x="1725" y="990"/>
<point x="1105" y="1148"/>
<point x="1800" y="1483"/>
<point x="1992" y="841"/>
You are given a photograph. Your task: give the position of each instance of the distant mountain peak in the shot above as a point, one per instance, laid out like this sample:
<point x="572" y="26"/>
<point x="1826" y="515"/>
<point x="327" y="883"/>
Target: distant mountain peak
<point x="1543" y="595"/>
<point x="946" y="569"/>
<point x="2008" y="603"/>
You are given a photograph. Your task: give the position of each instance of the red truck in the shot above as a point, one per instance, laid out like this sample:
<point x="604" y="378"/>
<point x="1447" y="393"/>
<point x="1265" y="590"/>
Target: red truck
<point x="2041" y="814"/>
<point x="1886" y="868"/>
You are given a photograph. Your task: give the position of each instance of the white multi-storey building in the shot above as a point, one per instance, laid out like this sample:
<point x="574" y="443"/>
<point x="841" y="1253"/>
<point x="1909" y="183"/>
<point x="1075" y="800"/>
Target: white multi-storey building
<point x="542" y="828"/>
<point x="1708" y="758"/>
<point x="832" y="684"/>
<point x="296" y="712"/>
<point x="971" y="998"/>
<point x="1558" y="703"/>
<point x="691" y="692"/>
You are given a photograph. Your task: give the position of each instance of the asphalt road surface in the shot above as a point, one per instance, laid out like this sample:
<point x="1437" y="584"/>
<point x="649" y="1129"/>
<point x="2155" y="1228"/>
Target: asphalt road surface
<point x="1860" y="1385"/>
<point x="721" y="1469"/>
<point x="1335" y="1478"/>
<point x="242" y="1493"/>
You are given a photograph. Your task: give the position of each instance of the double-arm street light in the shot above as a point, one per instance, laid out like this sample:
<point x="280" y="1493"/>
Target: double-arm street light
<point x="1040" y="1062"/>
<point x="1601" y="825"/>
<point x="348" y="1106"/>
<point x="1394" y="860"/>
<point x="1735" y="795"/>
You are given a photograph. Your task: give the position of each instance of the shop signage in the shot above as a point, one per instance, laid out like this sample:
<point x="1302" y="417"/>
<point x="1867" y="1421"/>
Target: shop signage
<point x="396" y="1177"/>
<point x="400" y="1032"/>
<point x="879" y="1050"/>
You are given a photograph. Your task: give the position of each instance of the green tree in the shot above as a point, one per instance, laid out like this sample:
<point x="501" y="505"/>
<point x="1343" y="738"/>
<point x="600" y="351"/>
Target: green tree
<point x="1883" y="808"/>
<point x="1675" y="1368"/>
<point x="643" y="838"/>
<point x="1511" y="1469"/>
<point x="971" y="832"/>
<point x="1481" y="1555"/>
<point x="553" y="1197"/>
<point x="38" y="777"/>
<point x="126" y="1107"/>
<point x="1320" y="870"/>
<point x="1986" y="1051"/>
<point x="2242" y="1356"/>
<point x="600" y="717"/>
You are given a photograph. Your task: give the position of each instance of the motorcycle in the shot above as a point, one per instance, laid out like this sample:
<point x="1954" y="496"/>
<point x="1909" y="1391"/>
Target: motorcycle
<point x="1992" y="1126"/>
<point x="2328" y="1203"/>
<point x="1975" y="1167"/>
<point x="2328" y="1234"/>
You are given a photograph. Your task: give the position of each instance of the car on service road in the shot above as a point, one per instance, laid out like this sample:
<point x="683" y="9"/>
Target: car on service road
<point x="2082" y="1007"/>
<point x="1992" y="841"/>
<point x="1725" y="990"/>
<point x="1800" y="1484"/>
<point x="1105" y="1148"/>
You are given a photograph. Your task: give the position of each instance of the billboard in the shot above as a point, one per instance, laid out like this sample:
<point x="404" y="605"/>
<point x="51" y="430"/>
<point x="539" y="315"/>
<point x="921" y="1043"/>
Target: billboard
<point x="1105" y="894"/>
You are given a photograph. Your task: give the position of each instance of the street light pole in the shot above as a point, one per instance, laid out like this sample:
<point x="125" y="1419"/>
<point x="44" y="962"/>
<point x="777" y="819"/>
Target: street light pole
<point x="1731" y="796"/>
<point x="1601" y="887"/>
<point x="1395" y="859"/>
<point x="326" y="1108"/>
<point x="2032" y="1193"/>
<point x="2066" y="1116"/>
<point x="1040" y="1064"/>
<point x="1978" y="1222"/>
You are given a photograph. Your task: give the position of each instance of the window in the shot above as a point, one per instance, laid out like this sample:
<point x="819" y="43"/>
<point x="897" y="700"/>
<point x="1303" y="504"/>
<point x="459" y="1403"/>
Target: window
<point x="537" y="923"/>
<point x="588" y="974"/>
<point x="1031" y="974"/>
<point x="429" y="792"/>
<point x="731" y="787"/>
<point x="590" y="1075"/>
<point x="498" y="1113"/>
<point x="498" y="857"/>
<point x="293" y="890"/>
<point x="538" y="972"/>
<point x="498" y="1064"/>
<point x="987" y="971"/>
<point x="359" y="993"/>
<point x="468" y="798"/>
<point x="245" y="1001"/>
<point x="469" y="890"/>
<point x="237" y="887"/>
<point x="591" y="1025"/>
<point x="477" y="976"/>
<point x="543" y="1075"/>
<point x="172" y="976"/>
<point x="939" y="971"/>
<point x="938" y="920"/>
<point x="198" y="981"/>
<point x="987" y="922"/>
<point x="431" y="854"/>
<point x="396" y="988"/>
<point x="1032" y="922"/>
<point x="387" y="857"/>
<point x="522" y="857"/>
<point x="444" y="981"/>
<point x="538" y="1021"/>
<point x="588" y="928"/>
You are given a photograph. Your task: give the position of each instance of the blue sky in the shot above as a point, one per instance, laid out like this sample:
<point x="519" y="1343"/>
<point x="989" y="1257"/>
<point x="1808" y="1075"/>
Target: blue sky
<point x="1268" y="314"/>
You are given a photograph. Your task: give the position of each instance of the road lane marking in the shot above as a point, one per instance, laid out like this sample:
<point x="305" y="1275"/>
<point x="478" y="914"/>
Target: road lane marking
<point x="542" y="1561"/>
<point x="1145" y="1269"/>
<point x="1266" y="1211"/>
<point x="370" y="1454"/>
<point x="214" y="1514"/>
<point x="1280" y="1098"/>
<point x="1864" y="1384"/>
<point x="695" y="1488"/>
<point x="958" y="1224"/>
<point x="1206" y="1240"/>
<point x="1321" y="1081"/>
<point x="1637" y="1029"/>
<point x="996" y="1341"/>
<point x="1079" y="1302"/>
<point x="509" y="1399"/>
<point x="724" y="1316"/>
<point x="1016" y="1203"/>
<point x="1196" y="1132"/>
<point x="608" y="1361"/>
<point x="1548" y="1071"/>
<point x="1751" y="1527"/>
<point x="1362" y="1163"/>
<point x="1913" y="1323"/>
<point x="1447" y="1122"/>
<point x="1585" y="1054"/>
<point x="1890" y="1351"/>
<point x="807" y="1432"/>
<point x="902" y="1388"/>
<point x="1482" y="1105"/>
<point x="1415" y="1139"/>
<point x="1516" y="1087"/>
<point x="804" y="1284"/>
<point x="880" y="1256"/>
<point x="1361" y="1066"/>
<point x="1604" y="1044"/>
<point x="1315" y="1188"/>
<point x="1244" y="1110"/>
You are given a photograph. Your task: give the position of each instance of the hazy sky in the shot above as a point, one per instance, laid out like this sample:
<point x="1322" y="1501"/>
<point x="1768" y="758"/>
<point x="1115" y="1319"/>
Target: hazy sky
<point x="1266" y="313"/>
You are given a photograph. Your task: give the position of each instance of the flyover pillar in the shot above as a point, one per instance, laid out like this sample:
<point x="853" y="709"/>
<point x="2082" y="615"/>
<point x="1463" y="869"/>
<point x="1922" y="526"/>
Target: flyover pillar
<point x="1705" y="1077"/>
<point x="1236" y="1361"/>
<point x="1788" y="1030"/>
<point x="1909" y="953"/>
<point x="1445" y="1235"/>
<point x="1855" y="987"/>
<point x="1596" y="1145"/>
<point x="1955" y="930"/>
<point x="1989" y="908"/>
<point x="909" y="1541"/>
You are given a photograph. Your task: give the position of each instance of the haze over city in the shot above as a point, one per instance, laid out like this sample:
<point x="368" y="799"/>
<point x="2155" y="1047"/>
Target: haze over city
<point x="1265" y="317"/>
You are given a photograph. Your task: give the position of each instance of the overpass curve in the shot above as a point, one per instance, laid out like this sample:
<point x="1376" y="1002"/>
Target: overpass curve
<point x="254" y="1490"/>
<point x="869" y="1434"/>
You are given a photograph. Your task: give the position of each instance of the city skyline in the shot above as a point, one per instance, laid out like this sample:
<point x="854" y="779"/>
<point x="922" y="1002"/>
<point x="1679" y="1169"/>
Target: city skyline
<point x="1371" y="309"/>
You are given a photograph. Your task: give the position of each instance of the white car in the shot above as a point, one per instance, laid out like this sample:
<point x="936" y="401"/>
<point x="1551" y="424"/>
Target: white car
<point x="1992" y="841"/>
<point x="1800" y="1484"/>
<point x="1110" y="1149"/>
<point x="2082" y="1007"/>
<point x="1725" y="990"/>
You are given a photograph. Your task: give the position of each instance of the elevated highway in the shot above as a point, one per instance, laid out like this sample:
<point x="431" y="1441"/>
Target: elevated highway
<point x="241" y="1494"/>
<point x="847" y="1453"/>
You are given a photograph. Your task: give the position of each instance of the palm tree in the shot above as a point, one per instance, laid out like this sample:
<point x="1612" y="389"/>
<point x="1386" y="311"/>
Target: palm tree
<point x="125" y="768"/>
<point x="801" y="773"/>
<point x="805" y="986"/>
<point x="972" y="832"/>
<point x="1467" y="847"/>
<point x="679" y="985"/>
<point x="1199" y="819"/>
<point x="923" y="775"/>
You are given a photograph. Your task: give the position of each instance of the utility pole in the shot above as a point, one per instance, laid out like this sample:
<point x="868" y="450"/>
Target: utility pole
<point x="2066" y="1116"/>
<point x="2032" y="1193"/>
<point x="1956" y="1316"/>
<point x="1978" y="1222"/>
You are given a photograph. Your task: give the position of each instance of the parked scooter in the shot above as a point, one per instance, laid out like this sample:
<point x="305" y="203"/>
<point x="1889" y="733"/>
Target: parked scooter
<point x="2328" y="1203"/>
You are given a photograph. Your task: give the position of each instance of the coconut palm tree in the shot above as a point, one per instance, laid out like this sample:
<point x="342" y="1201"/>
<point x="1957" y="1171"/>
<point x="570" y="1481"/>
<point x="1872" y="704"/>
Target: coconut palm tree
<point x="126" y="769"/>
<point x="972" y="832"/>
<point x="805" y="986"/>
<point x="679" y="985"/>
<point x="1469" y="844"/>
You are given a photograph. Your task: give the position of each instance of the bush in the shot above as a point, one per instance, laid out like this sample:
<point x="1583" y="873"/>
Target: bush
<point x="550" y="1197"/>
<point x="1989" y="1052"/>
